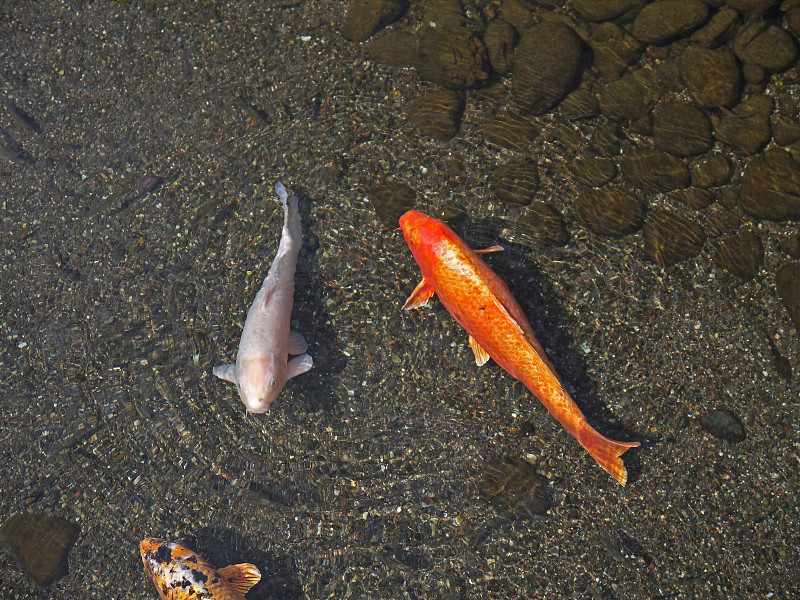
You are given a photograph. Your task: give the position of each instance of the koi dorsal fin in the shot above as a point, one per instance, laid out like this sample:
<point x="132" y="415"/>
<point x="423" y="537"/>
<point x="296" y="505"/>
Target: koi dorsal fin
<point x="420" y="296"/>
<point x="481" y="356"/>
<point x="241" y="577"/>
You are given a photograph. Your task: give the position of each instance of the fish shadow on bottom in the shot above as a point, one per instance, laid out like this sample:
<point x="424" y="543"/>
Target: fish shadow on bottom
<point x="541" y="305"/>
<point x="314" y="322"/>
<point x="222" y="546"/>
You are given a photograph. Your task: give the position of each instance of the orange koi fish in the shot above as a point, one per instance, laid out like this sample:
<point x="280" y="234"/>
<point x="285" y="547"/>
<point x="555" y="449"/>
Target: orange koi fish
<point x="483" y="305"/>
<point x="180" y="574"/>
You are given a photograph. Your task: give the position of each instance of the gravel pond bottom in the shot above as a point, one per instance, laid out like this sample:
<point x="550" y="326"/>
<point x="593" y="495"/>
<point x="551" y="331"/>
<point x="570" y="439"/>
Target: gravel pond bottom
<point x="395" y="468"/>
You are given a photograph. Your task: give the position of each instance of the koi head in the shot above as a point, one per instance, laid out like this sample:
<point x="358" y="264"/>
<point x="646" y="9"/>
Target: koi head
<point x="425" y="236"/>
<point x="172" y="567"/>
<point x="260" y="380"/>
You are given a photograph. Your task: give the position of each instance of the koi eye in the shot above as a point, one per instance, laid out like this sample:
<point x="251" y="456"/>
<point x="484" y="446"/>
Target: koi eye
<point x="272" y="382"/>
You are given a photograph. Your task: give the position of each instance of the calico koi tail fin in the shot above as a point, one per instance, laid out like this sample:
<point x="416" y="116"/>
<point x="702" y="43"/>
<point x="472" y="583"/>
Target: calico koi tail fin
<point x="607" y="453"/>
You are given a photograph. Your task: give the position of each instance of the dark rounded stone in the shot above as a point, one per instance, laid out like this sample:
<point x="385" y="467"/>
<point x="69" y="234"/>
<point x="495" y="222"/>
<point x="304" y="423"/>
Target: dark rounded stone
<point x="579" y="104"/>
<point x="608" y="10"/>
<point x="786" y="124"/>
<point x="41" y="544"/>
<point x="390" y="200"/>
<point x="653" y="171"/>
<point x="614" y="50"/>
<point x="395" y="48"/>
<point x="722" y="26"/>
<point x="721" y="221"/>
<point x="660" y="22"/>
<point x="682" y="129"/>
<point x="515" y="183"/>
<point x="499" y="41"/>
<point x="607" y="139"/>
<point x="791" y="245"/>
<point x="728" y="197"/>
<point x="541" y="224"/>
<point x="670" y="238"/>
<point x="753" y="74"/>
<point x="696" y="198"/>
<point x="715" y="171"/>
<point x="723" y="424"/>
<point x="514" y="488"/>
<point x="453" y="57"/>
<point x="438" y="113"/>
<point x="593" y="170"/>
<point x="545" y="65"/>
<point x="613" y="211"/>
<point x="669" y="75"/>
<point x="643" y="125"/>
<point x="787" y="283"/>
<point x="712" y="76"/>
<point x="767" y="46"/>
<point x="747" y="128"/>
<point x="742" y="254"/>
<point x="632" y="96"/>
<point x="571" y="137"/>
<point x="520" y="13"/>
<point x="793" y="20"/>
<point x="442" y="14"/>
<point x="771" y="186"/>
<point x="748" y="5"/>
<point x="510" y="130"/>
<point x="365" y="17"/>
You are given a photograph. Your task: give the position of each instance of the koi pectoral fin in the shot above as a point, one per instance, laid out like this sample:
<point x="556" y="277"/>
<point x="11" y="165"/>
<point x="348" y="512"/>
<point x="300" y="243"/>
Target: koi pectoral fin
<point x="297" y="343"/>
<point x="420" y="296"/>
<point x="490" y="249"/>
<point x="226" y="372"/>
<point x="298" y="365"/>
<point x="481" y="356"/>
<point x="242" y="576"/>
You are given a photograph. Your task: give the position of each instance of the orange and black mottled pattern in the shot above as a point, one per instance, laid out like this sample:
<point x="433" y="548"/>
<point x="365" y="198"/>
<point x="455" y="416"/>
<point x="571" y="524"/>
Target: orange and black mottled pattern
<point x="180" y="574"/>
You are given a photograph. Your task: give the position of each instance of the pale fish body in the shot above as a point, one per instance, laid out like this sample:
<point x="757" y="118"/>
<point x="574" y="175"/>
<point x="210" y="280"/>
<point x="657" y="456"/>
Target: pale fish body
<point x="262" y="364"/>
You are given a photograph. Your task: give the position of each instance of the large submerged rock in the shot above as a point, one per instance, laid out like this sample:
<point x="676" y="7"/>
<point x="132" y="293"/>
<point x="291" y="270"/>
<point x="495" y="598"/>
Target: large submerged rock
<point x="365" y="17"/>
<point x="771" y="186"/>
<point x="712" y="76"/>
<point x="654" y="172"/>
<point x="660" y="22"/>
<point x="454" y="57"/>
<point x="682" y="129"/>
<point x="613" y="211"/>
<point x="670" y="238"/>
<point x="41" y="543"/>
<point x="746" y="128"/>
<point x="545" y="64"/>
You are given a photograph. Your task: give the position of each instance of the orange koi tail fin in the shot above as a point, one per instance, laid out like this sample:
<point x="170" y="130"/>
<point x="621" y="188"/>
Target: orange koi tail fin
<point x="607" y="452"/>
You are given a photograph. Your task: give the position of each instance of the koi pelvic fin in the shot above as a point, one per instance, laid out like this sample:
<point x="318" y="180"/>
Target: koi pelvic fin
<point x="420" y="296"/>
<point x="607" y="452"/>
<point x="481" y="356"/>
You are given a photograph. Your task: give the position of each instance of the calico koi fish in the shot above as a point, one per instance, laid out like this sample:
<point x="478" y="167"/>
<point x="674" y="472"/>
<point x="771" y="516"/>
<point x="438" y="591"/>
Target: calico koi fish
<point x="180" y="574"/>
<point x="483" y="305"/>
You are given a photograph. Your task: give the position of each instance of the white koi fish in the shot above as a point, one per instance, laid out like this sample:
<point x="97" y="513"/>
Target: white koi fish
<point x="262" y="364"/>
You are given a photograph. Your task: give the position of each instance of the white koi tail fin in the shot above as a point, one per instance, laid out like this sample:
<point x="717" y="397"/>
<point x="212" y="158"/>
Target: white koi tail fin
<point x="291" y="215"/>
<point x="607" y="452"/>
